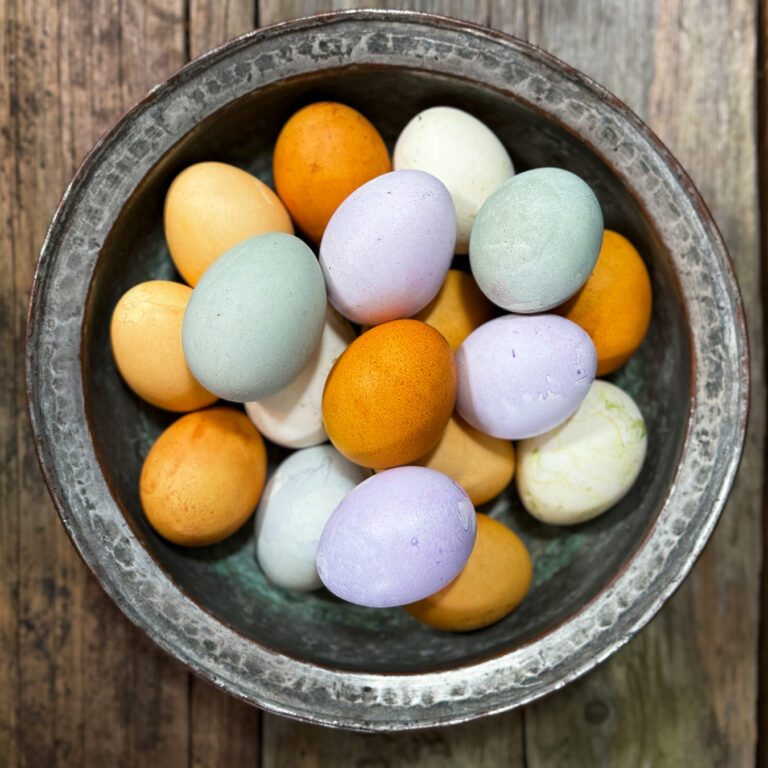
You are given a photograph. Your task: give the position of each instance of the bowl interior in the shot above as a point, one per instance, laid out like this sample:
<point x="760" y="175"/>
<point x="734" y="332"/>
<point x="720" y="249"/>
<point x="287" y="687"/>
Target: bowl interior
<point x="571" y="566"/>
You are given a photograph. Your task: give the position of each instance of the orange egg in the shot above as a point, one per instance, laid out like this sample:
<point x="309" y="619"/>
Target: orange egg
<point x="459" y="307"/>
<point x="390" y="394"/>
<point x="494" y="582"/>
<point x="323" y="154"/>
<point x="203" y="477"/>
<point x="210" y="207"/>
<point x="482" y="465"/>
<point x="614" y="305"/>
<point x="145" y="334"/>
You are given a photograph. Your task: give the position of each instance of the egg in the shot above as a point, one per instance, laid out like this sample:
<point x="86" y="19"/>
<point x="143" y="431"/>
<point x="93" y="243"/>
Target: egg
<point x="388" y="247"/>
<point x="397" y="537"/>
<point x="614" y="305"/>
<point x="212" y="206"/>
<point x="459" y="307"/>
<point x="390" y="394"/>
<point x="519" y="376"/>
<point x="202" y="478"/>
<point x="293" y="417"/>
<point x="493" y="583"/>
<point x="462" y="152"/>
<point x="586" y="465"/>
<point x="536" y="239"/>
<point x="145" y="335"/>
<point x="323" y="153"/>
<point x="295" y="506"/>
<point x="255" y="317"/>
<point x="482" y="465"/>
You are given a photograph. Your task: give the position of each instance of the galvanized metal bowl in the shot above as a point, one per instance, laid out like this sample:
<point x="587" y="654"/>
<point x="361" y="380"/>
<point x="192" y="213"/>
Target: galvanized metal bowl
<point x="311" y="656"/>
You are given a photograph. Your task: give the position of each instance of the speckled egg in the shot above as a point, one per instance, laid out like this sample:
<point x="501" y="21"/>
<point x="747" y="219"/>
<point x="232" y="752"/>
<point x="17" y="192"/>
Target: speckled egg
<point x="389" y="396"/>
<point x="397" y="537"/>
<point x="587" y="464"/>
<point x="536" y="239"/>
<point x="295" y="506"/>
<point x="202" y="478"/>
<point x="210" y="207"/>
<point x="493" y="583"/>
<point x="462" y="152"/>
<point x="520" y="376"/>
<point x="255" y="317"/>
<point x="388" y="246"/>
<point x="145" y="335"/>
<point x="293" y="417"/>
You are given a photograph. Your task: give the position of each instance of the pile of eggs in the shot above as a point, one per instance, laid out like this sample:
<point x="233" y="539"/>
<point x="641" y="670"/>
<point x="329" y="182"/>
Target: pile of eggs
<point x="422" y="400"/>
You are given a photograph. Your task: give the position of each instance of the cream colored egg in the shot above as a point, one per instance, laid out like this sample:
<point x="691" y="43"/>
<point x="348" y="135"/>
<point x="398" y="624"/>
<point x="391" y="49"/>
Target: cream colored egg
<point x="463" y="153"/>
<point x="587" y="464"/>
<point x="293" y="417"/>
<point x="145" y="334"/>
<point x="212" y="206"/>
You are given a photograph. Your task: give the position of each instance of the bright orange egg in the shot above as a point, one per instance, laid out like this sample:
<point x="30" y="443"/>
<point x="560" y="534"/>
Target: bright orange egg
<point x="390" y="394"/>
<point x="203" y="477"/>
<point x="323" y="154"/>
<point x="614" y="305"/>
<point x="494" y="582"/>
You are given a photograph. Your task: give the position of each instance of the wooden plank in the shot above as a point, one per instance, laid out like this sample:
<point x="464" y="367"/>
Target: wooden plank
<point x="212" y="23"/>
<point x="86" y="678"/>
<point x="684" y="691"/>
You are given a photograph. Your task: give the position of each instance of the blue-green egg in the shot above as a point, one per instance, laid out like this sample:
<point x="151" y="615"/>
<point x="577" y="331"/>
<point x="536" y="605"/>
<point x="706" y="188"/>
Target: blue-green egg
<point x="536" y="239"/>
<point x="255" y="317"/>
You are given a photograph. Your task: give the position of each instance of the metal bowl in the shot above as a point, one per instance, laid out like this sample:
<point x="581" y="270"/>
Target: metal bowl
<point x="311" y="656"/>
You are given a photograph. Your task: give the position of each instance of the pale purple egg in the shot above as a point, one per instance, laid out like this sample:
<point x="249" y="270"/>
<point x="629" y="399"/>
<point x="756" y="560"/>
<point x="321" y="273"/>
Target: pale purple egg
<point x="398" y="537"/>
<point x="522" y="375"/>
<point x="388" y="246"/>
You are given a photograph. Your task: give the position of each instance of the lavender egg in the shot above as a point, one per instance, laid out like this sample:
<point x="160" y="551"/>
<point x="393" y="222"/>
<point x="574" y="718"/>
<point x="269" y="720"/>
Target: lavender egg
<point x="398" y="537"/>
<point x="388" y="246"/>
<point x="520" y="376"/>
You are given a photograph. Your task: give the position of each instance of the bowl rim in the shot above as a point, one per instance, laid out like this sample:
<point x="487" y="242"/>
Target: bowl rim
<point x="376" y="701"/>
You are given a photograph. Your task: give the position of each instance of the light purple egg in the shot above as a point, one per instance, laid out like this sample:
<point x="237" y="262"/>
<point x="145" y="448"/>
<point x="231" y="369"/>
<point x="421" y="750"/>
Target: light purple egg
<point x="398" y="537"/>
<point x="520" y="376"/>
<point x="388" y="246"/>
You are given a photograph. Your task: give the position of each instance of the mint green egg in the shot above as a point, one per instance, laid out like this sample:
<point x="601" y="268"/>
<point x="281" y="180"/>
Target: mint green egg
<point x="536" y="239"/>
<point x="255" y="317"/>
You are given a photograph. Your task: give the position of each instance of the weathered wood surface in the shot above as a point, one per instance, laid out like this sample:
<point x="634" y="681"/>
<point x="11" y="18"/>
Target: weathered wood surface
<point x="80" y="686"/>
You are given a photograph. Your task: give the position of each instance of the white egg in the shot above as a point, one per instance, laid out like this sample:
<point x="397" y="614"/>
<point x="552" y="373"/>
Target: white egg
<point x="297" y="502"/>
<point x="293" y="417"/>
<point x="586" y="465"/>
<point x="463" y="153"/>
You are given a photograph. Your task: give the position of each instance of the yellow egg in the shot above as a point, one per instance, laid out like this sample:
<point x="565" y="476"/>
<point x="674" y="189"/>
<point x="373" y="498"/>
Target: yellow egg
<point x="459" y="307"/>
<point x="494" y="582"/>
<point x="212" y="206"/>
<point x="482" y="465"/>
<point x="145" y="333"/>
<point x="203" y="477"/>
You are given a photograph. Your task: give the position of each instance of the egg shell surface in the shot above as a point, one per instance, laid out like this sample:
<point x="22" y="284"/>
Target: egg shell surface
<point x="294" y="508"/>
<point x="203" y="476"/>
<point x="397" y="537"/>
<point x="212" y="206"/>
<point x="390" y="394"/>
<point x="145" y="334"/>
<point x="587" y="464"/>
<point x="293" y="417"/>
<point x="493" y="583"/>
<point x="463" y="153"/>
<point x="323" y="153"/>
<point x="614" y="305"/>
<point x="482" y="465"/>
<point x="388" y="246"/>
<point x="536" y="239"/>
<point x="520" y="376"/>
<point x="459" y="307"/>
<point x="255" y="317"/>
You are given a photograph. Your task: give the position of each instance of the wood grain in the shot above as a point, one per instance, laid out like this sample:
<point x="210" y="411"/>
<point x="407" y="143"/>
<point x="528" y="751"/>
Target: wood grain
<point x="212" y="23"/>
